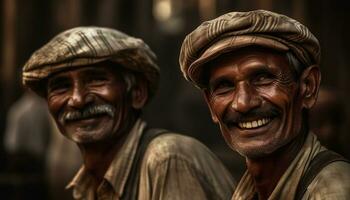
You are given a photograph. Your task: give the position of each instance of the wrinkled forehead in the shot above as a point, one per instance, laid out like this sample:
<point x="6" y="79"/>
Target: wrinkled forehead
<point x="248" y="57"/>
<point x="253" y="54"/>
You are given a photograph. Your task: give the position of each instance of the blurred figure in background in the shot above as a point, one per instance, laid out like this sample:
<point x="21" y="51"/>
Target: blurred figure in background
<point x="40" y="158"/>
<point x="327" y="118"/>
<point x="26" y="141"/>
<point x="27" y="128"/>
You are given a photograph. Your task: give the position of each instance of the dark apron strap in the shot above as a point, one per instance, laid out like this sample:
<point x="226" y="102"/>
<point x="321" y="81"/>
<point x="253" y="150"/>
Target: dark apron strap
<point x="132" y="184"/>
<point x="320" y="161"/>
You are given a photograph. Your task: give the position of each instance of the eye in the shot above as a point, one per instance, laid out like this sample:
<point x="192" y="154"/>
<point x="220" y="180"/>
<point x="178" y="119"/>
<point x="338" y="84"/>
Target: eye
<point x="96" y="80"/>
<point x="58" y="87"/>
<point x="222" y="87"/>
<point x="263" y="79"/>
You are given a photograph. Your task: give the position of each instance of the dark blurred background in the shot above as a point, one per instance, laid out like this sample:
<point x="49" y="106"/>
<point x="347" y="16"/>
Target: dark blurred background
<point x="162" y="24"/>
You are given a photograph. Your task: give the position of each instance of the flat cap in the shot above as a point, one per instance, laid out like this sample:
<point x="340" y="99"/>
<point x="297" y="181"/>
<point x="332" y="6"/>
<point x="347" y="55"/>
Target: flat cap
<point x="82" y="46"/>
<point x="241" y="29"/>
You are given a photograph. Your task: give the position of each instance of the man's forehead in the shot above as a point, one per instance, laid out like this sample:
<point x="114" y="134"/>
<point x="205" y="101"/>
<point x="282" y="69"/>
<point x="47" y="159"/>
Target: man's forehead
<point x="93" y="69"/>
<point x="248" y="52"/>
<point x="249" y="56"/>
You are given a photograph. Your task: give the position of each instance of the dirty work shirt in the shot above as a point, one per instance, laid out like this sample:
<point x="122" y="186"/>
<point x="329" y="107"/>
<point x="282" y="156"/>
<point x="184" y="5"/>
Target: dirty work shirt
<point x="173" y="167"/>
<point x="332" y="183"/>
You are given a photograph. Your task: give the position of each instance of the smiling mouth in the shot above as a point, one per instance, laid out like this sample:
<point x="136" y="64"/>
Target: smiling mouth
<point x="254" y="124"/>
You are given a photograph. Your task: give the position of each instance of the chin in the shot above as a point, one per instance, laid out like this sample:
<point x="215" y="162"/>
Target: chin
<point x="80" y="138"/>
<point x="86" y="137"/>
<point x="254" y="151"/>
<point x="83" y="139"/>
<point x="88" y="134"/>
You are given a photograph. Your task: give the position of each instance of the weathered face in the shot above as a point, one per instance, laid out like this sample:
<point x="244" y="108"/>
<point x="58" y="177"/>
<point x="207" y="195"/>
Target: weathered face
<point x="89" y="103"/>
<point x="254" y="97"/>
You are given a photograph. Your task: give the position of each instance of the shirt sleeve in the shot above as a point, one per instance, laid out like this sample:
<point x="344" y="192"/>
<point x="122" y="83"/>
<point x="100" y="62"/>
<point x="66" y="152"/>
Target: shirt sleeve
<point x="178" y="167"/>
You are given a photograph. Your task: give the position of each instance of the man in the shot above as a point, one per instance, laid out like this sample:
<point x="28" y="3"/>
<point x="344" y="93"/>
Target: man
<point x="96" y="82"/>
<point x="259" y="74"/>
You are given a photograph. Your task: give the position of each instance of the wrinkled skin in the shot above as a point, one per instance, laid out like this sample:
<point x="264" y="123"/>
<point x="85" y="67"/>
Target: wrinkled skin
<point x="75" y="91"/>
<point x="256" y="99"/>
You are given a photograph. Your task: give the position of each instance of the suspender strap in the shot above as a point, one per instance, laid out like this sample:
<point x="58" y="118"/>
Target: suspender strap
<point x="320" y="161"/>
<point x="132" y="184"/>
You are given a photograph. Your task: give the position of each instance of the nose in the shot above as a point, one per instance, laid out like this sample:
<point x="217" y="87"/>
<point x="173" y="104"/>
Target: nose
<point x="245" y="98"/>
<point x="78" y="97"/>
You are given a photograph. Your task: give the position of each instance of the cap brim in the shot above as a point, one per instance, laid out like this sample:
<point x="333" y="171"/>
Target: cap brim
<point x="226" y="45"/>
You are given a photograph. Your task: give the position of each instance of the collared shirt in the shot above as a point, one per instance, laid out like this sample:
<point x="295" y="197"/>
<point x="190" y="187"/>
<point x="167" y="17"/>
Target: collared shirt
<point x="333" y="182"/>
<point x="173" y="167"/>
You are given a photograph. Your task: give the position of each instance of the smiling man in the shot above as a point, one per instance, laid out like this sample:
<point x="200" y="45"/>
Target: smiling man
<point x="259" y="73"/>
<point x="96" y="82"/>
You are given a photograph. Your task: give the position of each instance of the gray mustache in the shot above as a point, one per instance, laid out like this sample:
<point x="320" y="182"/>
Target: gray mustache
<point x="87" y="112"/>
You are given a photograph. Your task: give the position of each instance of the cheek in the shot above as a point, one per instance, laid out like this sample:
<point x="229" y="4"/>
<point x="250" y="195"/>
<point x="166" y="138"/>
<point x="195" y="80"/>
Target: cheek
<point x="220" y="104"/>
<point x="55" y="104"/>
<point x="109" y="94"/>
<point x="279" y="95"/>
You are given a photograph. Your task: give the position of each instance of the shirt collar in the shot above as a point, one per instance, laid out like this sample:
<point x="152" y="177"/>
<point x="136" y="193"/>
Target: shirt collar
<point x="118" y="172"/>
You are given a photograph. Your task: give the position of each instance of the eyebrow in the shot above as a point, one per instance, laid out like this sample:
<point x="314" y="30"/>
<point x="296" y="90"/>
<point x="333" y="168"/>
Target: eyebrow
<point x="217" y="80"/>
<point x="213" y="83"/>
<point x="57" y="78"/>
<point x="264" y="70"/>
<point x="258" y="66"/>
<point x="254" y="69"/>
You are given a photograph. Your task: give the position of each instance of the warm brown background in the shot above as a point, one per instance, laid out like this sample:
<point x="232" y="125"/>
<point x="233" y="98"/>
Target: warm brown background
<point x="28" y="24"/>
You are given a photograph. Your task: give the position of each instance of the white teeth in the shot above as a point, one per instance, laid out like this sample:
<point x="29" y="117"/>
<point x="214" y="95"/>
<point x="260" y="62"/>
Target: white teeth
<point x="260" y="122"/>
<point x="254" y="124"/>
<point x="249" y="124"/>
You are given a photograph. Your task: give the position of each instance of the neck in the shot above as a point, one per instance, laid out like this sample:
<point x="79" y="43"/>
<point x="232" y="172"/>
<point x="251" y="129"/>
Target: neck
<point x="98" y="156"/>
<point x="266" y="171"/>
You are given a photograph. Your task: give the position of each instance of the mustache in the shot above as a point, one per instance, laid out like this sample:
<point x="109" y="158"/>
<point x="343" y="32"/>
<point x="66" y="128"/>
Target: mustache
<point x="236" y="117"/>
<point x="87" y="112"/>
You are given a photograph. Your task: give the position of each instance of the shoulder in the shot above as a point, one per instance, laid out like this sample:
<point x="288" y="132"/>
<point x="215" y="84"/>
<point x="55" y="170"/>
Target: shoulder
<point x="182" y="155"/>
<point x="333" y="182"/>
<point x="170" y="145"/>
<point x="182" y="151"/>
<point x="174" y="162"/>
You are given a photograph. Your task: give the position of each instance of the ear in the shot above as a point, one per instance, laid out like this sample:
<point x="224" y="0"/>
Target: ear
<point x="310" y="84"/>
<point x="139" y="94"/>
<point x="207" y="97"/>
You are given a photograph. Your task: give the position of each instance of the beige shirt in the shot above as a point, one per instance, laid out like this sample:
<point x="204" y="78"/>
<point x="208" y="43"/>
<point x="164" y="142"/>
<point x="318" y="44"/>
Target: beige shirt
<point x="173" y="167"/>
<point x="333" y="182"/>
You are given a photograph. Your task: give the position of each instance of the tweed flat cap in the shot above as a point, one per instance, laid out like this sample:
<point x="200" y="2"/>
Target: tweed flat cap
<point x="88" y="45"/>
<point x="240" y="29"/>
